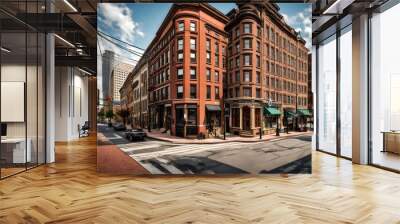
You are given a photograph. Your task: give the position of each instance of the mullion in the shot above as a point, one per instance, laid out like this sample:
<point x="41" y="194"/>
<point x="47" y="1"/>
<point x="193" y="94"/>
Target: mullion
<point x="338" y="95"/>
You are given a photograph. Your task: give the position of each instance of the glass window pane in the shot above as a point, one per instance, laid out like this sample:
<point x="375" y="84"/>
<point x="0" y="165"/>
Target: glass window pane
<point x="31" y="97"/>
<point x="346" y="93"/>
<point x="13" y="85"/>
<point x="41" y="98"/>
<point x="385" y="92"/>
<point x="327" y="95"/>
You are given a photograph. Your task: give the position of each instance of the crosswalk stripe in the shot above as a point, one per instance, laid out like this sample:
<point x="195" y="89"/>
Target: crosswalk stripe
<point x="169" y="167"/>
<point x="149" y="167"/>
<point x="136" y="148"/>
<point x="184" y="150"/>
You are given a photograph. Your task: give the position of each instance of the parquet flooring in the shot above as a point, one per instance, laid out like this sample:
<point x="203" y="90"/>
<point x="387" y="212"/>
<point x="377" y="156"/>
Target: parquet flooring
<point x="70" y="191"/>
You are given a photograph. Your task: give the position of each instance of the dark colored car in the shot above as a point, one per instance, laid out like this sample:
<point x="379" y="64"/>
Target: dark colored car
<point x="119" y="127"/>
<point x="135" y="134"/>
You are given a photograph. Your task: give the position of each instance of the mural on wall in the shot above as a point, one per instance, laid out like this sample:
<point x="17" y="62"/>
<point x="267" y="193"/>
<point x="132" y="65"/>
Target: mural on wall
<point x="204" y="88"/>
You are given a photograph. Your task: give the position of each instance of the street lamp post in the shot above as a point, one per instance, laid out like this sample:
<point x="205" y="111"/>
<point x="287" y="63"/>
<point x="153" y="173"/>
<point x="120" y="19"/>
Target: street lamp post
<point x="149" y="119"/>
<point x="277" y="126"/>
<point x="226" y="115"/>
<point x="224" y="121"/>
<point x="269" y="102"/>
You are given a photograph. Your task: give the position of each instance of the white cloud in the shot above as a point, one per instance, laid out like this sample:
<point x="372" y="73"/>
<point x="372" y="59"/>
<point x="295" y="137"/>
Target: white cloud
<point x="118" y="19"/>
<point x="301" y="22"/>
<point x="286" y="18"/>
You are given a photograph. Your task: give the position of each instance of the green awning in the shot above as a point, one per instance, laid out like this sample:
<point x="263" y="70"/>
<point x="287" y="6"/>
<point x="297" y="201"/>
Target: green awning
<point x="213" y="108"/>
<point x="289" y="113"/>
<point x="304" y="112"/>
<point x="271" y="111"/>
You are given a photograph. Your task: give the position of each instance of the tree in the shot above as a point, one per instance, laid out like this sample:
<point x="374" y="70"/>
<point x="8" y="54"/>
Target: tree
<point x="101" y="115"/>
<point x="124" y="114"/>
<point x="109" y="115"/>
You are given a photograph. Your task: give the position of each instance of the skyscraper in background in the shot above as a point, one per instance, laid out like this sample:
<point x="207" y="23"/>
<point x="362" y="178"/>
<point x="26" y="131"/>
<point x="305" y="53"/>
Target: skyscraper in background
<point x="118" y="76"/>
<point x="107" y="68"/>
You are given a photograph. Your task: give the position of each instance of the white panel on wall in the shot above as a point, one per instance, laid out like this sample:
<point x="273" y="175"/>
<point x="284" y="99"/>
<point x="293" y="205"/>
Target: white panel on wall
<point x="12" y="101"/>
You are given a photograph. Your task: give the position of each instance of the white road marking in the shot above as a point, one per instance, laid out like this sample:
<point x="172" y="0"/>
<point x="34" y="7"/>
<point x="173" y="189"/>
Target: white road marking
<point x="172" y="169"/>
<point x="187" y="149"/>
<point x="115" y="137"/>
<point x="128" y="148"/>
<point x="152" y="169"/>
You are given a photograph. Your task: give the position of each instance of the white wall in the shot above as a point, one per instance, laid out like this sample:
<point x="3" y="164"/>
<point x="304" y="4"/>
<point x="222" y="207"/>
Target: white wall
<point x="71" y="103"/>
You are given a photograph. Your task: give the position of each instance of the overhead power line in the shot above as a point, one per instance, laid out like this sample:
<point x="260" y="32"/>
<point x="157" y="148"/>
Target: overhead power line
<point x="122" y="47"/>
<point x="132" y="45"/>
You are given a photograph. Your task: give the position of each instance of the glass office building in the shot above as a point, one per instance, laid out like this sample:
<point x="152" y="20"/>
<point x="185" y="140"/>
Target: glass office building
<point x="357" y="76"/>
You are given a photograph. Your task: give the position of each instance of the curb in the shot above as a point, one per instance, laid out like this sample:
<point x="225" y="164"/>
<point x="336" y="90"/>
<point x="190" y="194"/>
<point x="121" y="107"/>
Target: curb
<point x="226" y="141"/>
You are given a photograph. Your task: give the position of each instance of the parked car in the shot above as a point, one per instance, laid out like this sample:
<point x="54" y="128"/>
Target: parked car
<point x="135" y="134"/>
<point x="119" y="127"/>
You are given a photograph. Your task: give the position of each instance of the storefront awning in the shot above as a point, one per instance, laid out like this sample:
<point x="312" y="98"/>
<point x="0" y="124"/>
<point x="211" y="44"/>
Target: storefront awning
<point x="289" y="113"/>
<point x="271" y="111"/>
<point x="304" y="112"/>
<point x="213" y="108"/>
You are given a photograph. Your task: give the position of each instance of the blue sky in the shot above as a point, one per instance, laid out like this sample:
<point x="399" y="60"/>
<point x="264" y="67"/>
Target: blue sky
<point x="137" y="23"/>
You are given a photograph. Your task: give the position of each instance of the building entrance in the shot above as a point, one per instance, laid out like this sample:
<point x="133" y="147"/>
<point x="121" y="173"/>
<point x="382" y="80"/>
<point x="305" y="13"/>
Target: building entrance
<point x="246" y="118"/>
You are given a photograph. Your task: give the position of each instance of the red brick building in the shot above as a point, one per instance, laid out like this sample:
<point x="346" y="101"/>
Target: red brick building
<point x="267" y="70"/>
<point x="126" y="93"/>
<point x="186" y="69"/>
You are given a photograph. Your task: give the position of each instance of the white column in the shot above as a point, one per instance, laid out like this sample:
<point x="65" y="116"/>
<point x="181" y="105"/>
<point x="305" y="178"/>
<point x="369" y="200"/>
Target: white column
<point x="50" y="99"/>
<point x="360" y="90"/>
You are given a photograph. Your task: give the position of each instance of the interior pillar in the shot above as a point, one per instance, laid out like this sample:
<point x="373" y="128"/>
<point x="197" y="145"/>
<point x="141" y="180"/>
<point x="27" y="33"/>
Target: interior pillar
<point x="360" y="90"/>
<point x="50" y="98"/>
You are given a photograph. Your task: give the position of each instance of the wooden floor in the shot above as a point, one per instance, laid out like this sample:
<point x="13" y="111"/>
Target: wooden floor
<point x="70" y="191"/>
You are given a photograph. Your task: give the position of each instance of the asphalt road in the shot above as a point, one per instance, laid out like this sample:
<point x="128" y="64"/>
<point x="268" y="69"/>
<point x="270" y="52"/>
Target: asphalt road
<point x="291" y="155"/>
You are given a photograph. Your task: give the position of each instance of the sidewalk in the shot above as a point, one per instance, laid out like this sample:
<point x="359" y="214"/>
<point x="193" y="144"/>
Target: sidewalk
<point x="111" y="159"/>
<point x="156" y="134"/>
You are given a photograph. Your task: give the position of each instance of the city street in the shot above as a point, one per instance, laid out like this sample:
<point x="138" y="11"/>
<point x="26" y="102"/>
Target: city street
<point x="290" y="155"/>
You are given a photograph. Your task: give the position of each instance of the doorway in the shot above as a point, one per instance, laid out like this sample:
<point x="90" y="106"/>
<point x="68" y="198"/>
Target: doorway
<point x="246" y="118"/>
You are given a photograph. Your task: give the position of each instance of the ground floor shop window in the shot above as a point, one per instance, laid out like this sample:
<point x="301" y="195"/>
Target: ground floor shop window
<point x="271" y="122"/>
<point x="191" y="127"/>
<point x="235" y="117"/>
<point x="180" y="120"/>
<point x="258" y="117"/>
